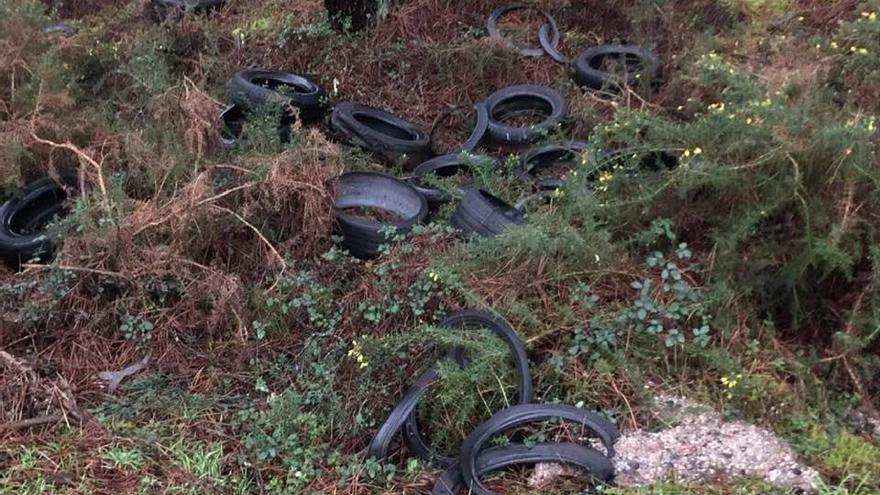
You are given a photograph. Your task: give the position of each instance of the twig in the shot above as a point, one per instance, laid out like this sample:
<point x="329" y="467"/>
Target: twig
<point x="256" y="231"/>
<point x="225" y="193"/>
<point x="31" y="422"/>
<point x="82" y="156"/>
<point x="626" y="401"/>
<point x="74" y="269"/>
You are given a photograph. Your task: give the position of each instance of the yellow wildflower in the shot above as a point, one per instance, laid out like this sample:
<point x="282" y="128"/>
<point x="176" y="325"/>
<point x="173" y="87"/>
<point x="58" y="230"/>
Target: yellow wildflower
<point x="834" y="45"/>
<point x="698" y="151"/>
<point x="716" y="107"/>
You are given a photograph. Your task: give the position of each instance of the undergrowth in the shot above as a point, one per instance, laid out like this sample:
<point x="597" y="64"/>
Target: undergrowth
<point x="717" y="242"/>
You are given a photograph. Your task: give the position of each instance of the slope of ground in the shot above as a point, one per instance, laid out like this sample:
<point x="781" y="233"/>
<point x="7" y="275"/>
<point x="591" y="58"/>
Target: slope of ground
<point x="746" y="277"/>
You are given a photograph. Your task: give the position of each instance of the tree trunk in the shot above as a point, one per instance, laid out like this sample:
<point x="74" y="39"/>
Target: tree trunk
<point x="355" y="15"/>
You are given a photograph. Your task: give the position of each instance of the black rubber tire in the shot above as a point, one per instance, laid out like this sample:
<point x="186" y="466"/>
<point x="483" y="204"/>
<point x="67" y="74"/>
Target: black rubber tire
<point x="392" y="138"/>
<point x="443" y="166"/>
<point x="549" y="25"/>
<point x="524" y="99"/>
<point x="232" y="120"/>
<point x="161" y="9"/>
<point x="587" y="70"/>
<point x="587" y="459"/>
<point x="23" y="235"/>
<point x="412" y="437"/>
<point x="362" y="237"/>
<point x="481" y="123"/>
<point x="535" y="159"/>
<point x="483" y="214"/>
<point x="381" y="443"/>
<point x="551" y="48"/>
<point x="523" y="414"/>
<point x="254" y="89"/>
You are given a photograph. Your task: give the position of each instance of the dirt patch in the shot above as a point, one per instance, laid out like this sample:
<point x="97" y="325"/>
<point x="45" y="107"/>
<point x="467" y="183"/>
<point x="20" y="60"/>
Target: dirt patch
<point x="701" y="448"/>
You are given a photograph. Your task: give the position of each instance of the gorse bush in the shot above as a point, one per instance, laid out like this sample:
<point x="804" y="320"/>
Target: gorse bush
<point x="857" y="44"/>
<point x="791" y="234"/>
<point x="718" y="241"/>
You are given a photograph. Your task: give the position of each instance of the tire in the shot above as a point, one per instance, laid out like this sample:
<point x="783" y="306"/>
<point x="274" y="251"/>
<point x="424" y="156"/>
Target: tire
<point x="23" y="233"/>
<point x="381" y="443"/>
<point x="535" y="159"/>
<point x="442" y="166"/>
<point x="254" y="89"/>
<point x="392" y="138"/>
<point x="161" y="9"/>
<point x="363" y="237"/>
<point x="523" y="414"/>
<point x="483" y="214"/>
<point x="524" y="100"/>
<point x="587" y="459"/>
<point x="480" y="125"/>
<point x="550" y="25"/>
<point x="232" y="120"/>
<point x="551" y="48"/>
<point x="588" y="72"/>
<point x="413" y="438"/>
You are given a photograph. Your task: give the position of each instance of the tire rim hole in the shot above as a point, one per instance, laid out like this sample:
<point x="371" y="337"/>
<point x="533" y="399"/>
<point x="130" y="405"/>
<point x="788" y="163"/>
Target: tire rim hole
<point x="384" y="127"/>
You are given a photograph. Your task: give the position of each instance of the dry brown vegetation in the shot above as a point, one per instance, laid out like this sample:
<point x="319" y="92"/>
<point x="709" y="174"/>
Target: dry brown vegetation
<point x="198" y="246"/>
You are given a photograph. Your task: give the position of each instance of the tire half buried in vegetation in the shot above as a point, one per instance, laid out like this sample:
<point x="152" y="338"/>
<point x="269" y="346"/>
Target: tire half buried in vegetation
<point x="255" y="89"/>
<point x="588" y="460"/>
<point x="579" y="420"/>
<point x="160" y="9"/>
<point x="391" y="138"/>
<point x="545" y="158"/>
<point x="550" y="27"/>
<point x="638" y="66"/>
<point x="483" y="214"/>
<point x="372" y="208"/>
<point x="524" y="101"/>
<point x="444" y="166"/>
<point x="24" y="235"/>
<point x="470" y="319"/>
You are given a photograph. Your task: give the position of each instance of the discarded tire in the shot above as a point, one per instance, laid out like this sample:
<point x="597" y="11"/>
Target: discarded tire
<point x="415" y="442"/>
<point x="255" y="89"/>
<point x="404" y="414"/>
<point x="352" y="15"/>
<point x="481" y="123"/>
<point x="232" y="120"/>
<point x="521" y="101"/>
<point x="162" y="8"/>
<point x="550" y="46"/>
<point x="363" y="237"/>
<point x="588" y="460"/>
<point x="442" y="166"/>
<point x="515" y="416"/>
<point x="535" y="160"/>
<point x="23" y="221"/>
<point x="392" y="138"/>
<point x="640" y="66"/>
<point x="549" y="25"/>
<point x="381" y="442"/>
<point x="483" y="214"/>
<point x="231" y="124"/>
